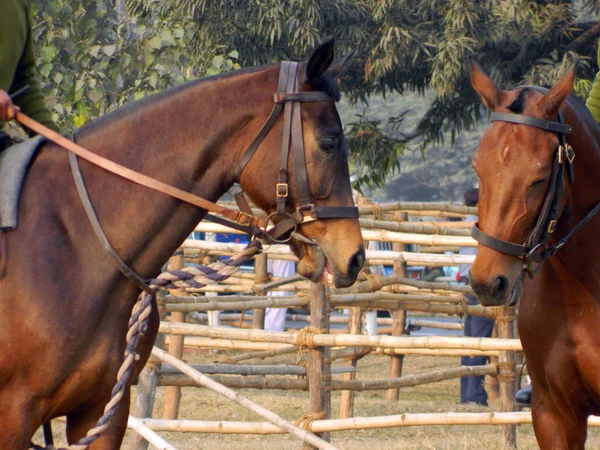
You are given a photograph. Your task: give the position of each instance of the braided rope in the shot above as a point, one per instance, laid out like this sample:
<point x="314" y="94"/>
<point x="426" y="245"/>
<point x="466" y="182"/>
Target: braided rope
<point x="193" y="276"/>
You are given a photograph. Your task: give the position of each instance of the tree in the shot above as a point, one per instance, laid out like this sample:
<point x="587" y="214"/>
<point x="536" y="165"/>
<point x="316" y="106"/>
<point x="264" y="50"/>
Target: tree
<point x="401" y="46"/>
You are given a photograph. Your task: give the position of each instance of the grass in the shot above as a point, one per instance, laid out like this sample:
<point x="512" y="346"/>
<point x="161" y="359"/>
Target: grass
<point x="200" y="404"/>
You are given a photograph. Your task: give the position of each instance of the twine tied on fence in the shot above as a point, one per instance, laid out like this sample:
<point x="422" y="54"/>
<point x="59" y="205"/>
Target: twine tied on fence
<point x="305" y="338"/>
<point x="375" y="281"/>
<point x="377" y="212"/>
<point x="307" y="419"/>
<point x="507" y="371"/>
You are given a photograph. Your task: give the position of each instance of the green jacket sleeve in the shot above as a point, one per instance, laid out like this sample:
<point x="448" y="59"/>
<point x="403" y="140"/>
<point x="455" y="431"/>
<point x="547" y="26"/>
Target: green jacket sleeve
<point x="593" y="101"/>
<point x="32" y="102"/>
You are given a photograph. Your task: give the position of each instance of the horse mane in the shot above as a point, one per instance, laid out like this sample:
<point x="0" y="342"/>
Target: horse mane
<point x="326" y="83"/>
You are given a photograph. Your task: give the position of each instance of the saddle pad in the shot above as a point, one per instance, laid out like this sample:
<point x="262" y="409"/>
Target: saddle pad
<point x="14" y="162"/>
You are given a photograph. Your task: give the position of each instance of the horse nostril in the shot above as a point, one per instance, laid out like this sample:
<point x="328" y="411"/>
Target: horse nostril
<point x="356" y="262"/>
<point x="500" y="286"/>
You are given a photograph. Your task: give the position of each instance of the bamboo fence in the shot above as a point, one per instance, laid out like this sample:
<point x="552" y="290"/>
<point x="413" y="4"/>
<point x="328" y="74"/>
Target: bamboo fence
<point x="397" y="293"/>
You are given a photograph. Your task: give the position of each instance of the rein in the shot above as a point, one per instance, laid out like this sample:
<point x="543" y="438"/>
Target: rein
<point x="535" y="249"/>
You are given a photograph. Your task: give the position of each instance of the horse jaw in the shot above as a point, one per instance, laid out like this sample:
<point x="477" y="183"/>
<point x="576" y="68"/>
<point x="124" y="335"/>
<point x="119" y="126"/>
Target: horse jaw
<point x="315" y="265"/>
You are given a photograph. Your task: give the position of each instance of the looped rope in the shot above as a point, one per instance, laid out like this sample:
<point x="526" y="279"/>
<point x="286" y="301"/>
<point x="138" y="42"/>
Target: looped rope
<point x="376" y="210"/>
<point x="375" y="281"/>
<point x="507" y="371"/>
<point x="305" y="338"/>
<point x="195" y="276"/>
<point x="306" y="420"/>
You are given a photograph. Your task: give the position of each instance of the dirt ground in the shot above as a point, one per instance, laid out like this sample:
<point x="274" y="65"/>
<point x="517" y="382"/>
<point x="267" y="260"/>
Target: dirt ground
<point x="200" y="404"/>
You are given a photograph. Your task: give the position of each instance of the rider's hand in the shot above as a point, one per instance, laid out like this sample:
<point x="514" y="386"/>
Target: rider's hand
<point x="7" y="108"/>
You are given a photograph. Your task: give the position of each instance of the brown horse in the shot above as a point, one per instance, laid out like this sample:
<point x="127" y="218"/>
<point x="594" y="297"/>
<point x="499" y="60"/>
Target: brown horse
<point x="64" y="306"/>
<point x="537" y="215"/>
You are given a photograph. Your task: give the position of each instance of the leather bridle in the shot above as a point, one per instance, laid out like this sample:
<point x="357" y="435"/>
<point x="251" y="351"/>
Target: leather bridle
<point x="535" y="249"/>
<point x="287" y="100"/>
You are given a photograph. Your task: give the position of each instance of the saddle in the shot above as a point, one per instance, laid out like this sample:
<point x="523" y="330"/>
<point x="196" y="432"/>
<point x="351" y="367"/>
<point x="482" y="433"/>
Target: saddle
<point x="14" y="162"/>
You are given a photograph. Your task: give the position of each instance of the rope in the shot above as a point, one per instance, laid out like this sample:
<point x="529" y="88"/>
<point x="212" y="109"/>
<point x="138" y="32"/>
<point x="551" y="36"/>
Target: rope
<point x="195" y="276"/>
<point x="506" y="371"/>
<point x="305" y="338"/>
<point x="306" y="420"/>
<point x="376" y="210"/>
<point x="375" y="281"/>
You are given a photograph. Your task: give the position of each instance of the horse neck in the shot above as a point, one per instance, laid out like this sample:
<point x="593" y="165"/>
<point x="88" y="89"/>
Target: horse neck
<point x="191" y="139"/>
<point x="583" y="195"/>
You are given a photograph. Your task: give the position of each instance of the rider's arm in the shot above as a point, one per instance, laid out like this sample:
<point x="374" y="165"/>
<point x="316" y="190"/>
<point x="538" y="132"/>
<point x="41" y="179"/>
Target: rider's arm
<point x="32" y="101"/>
<point x="593" y="101"/>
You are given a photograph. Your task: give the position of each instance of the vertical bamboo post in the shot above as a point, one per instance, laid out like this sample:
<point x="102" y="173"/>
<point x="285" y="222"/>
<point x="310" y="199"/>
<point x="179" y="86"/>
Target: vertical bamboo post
<point x="347" y="399"/>
<point x="319" y="370"/>
<point x="494" y="385"/>
<point x="507" y="374"/>
<point x="173" y="393"/>
<point x="261" y="276"/>
<point x="398" y="318"/>
<point x="147" y="382"/>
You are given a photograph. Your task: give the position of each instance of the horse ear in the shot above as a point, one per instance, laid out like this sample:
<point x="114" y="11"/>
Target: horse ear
<point x="338" y="66"/>
<point x="485" y="87"/>
<point x="550" y="103"/>
<point x="320" y="61"/>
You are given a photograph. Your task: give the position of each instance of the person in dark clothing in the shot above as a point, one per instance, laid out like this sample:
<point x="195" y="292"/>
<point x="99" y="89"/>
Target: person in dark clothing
<point x="471" y="388"/>
<point x="18" y="69"/>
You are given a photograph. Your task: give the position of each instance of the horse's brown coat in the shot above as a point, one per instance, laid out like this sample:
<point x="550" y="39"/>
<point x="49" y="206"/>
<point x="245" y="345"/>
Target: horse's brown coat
<point x="64" y="306"/>
<point x="559" y="312"/>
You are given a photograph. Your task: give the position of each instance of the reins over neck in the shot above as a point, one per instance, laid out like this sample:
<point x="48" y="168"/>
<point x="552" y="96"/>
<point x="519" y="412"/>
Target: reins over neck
<point x="536" y="249"/>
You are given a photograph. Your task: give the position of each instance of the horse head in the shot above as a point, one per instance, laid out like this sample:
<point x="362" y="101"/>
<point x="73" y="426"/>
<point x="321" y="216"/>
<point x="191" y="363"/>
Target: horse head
<point x="521" y="177"/>
<point x="317" y="177"/>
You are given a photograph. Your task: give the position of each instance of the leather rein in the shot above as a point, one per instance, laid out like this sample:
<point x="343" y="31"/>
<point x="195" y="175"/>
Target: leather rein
<point x="535" y="249"/>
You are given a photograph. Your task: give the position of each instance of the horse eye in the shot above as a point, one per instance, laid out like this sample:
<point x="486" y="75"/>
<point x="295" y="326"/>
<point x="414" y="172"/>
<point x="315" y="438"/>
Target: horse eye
<point x="327" y="144"/>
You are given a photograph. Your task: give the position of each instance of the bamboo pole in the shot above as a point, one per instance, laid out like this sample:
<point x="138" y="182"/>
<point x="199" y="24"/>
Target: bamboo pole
<point x="173" y="393"/>
<point x="304" y="435"/>
<point x="252" y="369"/>
<point x="261" y="276"/>
<point x="277" y="251"/>
<point x="419" y="206"/>
<point x="147" y="434"/>
<point x="507" y="374"/>
<point x="143" y="404"/>
<point x="347" y="397"/>
<point x="263" y="382"/>
<point x="447" y="229"/>
<point x="319" y="370"/>
<point x="420" y="239"/>
<point x="264" y="354"/>
<point x="257" y="382"/>
<point x="358" y="423"/>
<point x="344" y="340"/>
<point x="398" y="319"/>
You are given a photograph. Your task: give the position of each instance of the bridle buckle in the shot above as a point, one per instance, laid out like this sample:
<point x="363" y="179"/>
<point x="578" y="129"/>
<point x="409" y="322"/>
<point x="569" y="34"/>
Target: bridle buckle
<point x="247" y="220"/>
<point x="551" y="226"/>
<point x="282" y="190"/>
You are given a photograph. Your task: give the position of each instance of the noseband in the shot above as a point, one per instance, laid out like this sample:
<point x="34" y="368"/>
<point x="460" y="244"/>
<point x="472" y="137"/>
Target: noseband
<point x="536" y="249"/>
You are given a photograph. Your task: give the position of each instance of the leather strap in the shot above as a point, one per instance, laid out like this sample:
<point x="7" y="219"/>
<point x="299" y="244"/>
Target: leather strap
<point x="531" y="121"/>
<point x="137" y="177"/>
<point x="500" y="245"/>
<point x="335" y="212"/>
<point x="93" y="218"/>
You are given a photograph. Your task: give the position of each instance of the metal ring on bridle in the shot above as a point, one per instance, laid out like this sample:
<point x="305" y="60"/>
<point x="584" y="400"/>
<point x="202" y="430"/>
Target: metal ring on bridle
<point x="268" y="236"/>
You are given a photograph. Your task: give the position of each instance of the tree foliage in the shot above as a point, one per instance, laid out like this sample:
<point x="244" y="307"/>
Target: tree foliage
<point x="93" y="56"/>
<point x="96" y="56"/>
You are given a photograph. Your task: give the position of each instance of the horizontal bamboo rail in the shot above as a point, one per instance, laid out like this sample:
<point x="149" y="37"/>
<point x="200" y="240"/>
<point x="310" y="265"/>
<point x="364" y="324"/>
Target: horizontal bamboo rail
<point x="143" y="430"/>
<point x="250" y="369"/>
<point x="281" y="250"/>
<point x="342" y="340"/>
<point x="421" y="239"/>
<point x="447" y="229"/>
<point x="304" y="435"/>
<point x="261" y="382"/>
<point x="435" y="352"/>
<point x="356" y="423"/>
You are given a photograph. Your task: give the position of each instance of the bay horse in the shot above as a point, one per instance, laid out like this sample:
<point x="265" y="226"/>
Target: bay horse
<point x="64" y="306"/>
<point x="537" y="216"/>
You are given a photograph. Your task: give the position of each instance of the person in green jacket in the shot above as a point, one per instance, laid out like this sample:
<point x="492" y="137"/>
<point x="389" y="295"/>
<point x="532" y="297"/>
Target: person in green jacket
<point x="18" y="69"/>
<point x="593" y="101"/>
